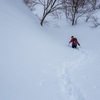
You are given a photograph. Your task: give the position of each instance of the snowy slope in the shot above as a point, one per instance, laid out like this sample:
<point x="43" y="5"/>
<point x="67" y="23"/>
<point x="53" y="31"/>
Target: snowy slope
<point x="36" y="63"/>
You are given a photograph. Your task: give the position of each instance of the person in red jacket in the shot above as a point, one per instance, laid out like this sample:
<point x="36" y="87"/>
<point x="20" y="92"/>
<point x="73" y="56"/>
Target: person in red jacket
<point x="74" y="42"/>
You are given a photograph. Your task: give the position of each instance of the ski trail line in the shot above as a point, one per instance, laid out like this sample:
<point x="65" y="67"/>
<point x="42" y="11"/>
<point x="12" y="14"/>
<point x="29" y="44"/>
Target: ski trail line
<point x="68" y="89"/>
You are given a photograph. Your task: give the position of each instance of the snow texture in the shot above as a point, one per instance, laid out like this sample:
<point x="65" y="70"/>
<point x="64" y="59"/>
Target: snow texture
<point x="37" y="63"/>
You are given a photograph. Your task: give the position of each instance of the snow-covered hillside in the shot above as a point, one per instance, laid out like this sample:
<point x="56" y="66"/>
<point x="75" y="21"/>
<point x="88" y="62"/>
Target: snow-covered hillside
<point x="36" y="63"/>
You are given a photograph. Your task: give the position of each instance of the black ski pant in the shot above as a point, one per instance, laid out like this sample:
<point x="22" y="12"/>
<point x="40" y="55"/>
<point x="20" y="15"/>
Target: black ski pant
<point x="74" y="46"/>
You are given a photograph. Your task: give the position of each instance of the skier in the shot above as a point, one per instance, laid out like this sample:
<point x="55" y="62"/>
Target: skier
<point x="74" y="42"/>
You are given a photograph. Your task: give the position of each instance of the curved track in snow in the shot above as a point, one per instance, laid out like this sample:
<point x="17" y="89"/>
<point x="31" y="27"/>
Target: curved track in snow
<point x="69" y="90"/>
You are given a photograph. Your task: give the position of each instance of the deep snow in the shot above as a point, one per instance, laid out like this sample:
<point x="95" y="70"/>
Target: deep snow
<point x="36" y="63"/>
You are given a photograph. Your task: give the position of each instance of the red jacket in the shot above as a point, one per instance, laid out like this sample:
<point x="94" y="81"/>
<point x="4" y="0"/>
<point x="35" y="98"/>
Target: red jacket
<point x="72" y="41"/>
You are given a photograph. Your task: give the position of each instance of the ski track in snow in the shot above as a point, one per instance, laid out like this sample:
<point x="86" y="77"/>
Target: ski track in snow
<point x="69" y="90"/>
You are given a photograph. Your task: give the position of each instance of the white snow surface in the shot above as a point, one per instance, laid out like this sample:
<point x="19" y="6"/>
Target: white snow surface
<point x="36" y="63"/>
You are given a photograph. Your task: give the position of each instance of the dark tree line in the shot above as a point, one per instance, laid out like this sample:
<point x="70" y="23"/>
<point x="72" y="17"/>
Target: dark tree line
<point x="73" y="9"/>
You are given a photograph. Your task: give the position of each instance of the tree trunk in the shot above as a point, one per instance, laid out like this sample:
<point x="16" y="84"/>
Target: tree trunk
<point x="43" y="18"/>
